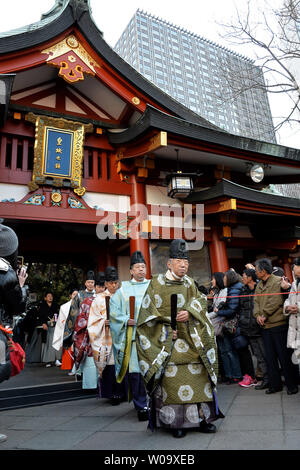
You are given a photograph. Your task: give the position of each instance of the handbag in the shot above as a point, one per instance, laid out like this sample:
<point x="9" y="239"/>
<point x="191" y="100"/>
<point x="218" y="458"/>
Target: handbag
<point x="217" y="323"/>
<point x="16" y="352"/>
<point x="17" y="358"/>
<point x="230" y="325"/>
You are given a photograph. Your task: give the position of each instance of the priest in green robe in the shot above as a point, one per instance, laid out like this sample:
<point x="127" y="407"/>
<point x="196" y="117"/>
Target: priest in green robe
<point x="179" y="365"/>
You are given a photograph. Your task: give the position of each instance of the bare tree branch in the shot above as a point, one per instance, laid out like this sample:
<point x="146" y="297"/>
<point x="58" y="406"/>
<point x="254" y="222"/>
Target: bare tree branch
<point x="275" y="38"/>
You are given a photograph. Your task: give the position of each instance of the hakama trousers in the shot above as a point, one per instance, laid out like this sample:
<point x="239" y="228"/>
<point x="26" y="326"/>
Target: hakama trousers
<point x="138" y="391"/>
<point x="109" y="387"/>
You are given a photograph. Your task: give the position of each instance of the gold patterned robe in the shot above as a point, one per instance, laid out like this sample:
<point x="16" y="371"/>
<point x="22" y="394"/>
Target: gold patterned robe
<point x="180" y="375"/>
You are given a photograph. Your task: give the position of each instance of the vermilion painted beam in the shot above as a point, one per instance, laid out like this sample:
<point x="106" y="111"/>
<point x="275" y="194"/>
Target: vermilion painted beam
<point x="138" y="196"/>
<point x="33" y="57"/>
<point x="20" y="128"/>
<point x="39" y="95"/>
<point x="219" y="206"/>
<point x="98" y="141"/>
<point x="153" y="141"/>
<point x="267" y="209"/>
<point x="69" y="93"/>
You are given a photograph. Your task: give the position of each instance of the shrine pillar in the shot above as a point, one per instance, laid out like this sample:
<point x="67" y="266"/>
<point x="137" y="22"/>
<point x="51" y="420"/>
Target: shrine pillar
<point x="218" y="253"/>
<point x="288" y="270"/>
<point x="141" y="243"/>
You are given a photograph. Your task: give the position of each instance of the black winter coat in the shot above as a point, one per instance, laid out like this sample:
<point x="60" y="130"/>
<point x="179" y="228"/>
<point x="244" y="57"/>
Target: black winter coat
<point x="231" y="306"/>
<point x="247" y="322"/>
<point x="12" y="296"/>
<point x="12" y="302"/>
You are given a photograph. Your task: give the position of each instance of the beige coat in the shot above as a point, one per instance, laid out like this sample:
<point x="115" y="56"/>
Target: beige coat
<point x="269" y="306"/>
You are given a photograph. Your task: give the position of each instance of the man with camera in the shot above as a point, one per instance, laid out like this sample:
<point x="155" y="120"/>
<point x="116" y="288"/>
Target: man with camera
<point x="12" y="295"/>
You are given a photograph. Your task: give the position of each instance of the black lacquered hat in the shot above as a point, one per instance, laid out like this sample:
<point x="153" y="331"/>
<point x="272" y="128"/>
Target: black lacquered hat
<point x="137" y="257"/>
<point x="179" y="249"/>
<point x="111" y="274"/>
<point x="100" y="279"/>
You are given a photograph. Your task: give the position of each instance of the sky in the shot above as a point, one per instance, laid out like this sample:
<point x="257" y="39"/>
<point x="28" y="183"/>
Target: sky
<point x="203" y="17"/>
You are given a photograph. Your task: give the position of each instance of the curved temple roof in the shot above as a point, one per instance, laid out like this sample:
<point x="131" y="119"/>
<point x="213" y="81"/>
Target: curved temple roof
<point x="182" y="121"/>
<point x="234" y="190"/>
<point x="154" y="118"/>
<point x="66" y="13"/>
<point x="46" y="18"/>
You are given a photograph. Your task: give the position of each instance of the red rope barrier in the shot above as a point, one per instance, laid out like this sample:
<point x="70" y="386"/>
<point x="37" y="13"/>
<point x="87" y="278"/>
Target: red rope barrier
<point x="252" y="295"/>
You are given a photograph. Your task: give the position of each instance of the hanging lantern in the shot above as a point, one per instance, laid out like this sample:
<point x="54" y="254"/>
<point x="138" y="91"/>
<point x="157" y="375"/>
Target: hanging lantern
<point x="180" y="185"/>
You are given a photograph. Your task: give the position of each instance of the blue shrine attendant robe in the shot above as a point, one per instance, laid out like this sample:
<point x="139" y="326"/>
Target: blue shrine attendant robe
<point x="123" y="338"/>
<point x="119" y="315"/>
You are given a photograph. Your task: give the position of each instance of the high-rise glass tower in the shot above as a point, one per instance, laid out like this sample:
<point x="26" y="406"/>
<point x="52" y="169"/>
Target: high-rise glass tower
<point x="196" y="72"/>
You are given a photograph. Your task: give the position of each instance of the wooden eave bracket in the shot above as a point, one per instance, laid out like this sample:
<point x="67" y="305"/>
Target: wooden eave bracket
<point x="221" y="206"/>
<point x="156" y="141"/>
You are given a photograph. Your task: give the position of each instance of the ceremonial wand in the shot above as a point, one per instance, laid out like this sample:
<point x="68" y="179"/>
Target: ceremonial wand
<point x="131" y="315"/>
<point x="173" y="311"/>
<point x="107" y="299"/>
<point x="128" y="344"/>
<point x="131" y="307"/>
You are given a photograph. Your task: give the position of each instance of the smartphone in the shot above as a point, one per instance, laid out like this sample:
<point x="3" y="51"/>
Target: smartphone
<point x="20" y="261"/>
<point x="23" y="270"/>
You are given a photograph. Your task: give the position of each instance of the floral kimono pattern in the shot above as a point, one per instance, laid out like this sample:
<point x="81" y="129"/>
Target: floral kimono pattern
<point x="71" y="319"/>
<point x="82" y="347"/>
<point x="99" y="334"/>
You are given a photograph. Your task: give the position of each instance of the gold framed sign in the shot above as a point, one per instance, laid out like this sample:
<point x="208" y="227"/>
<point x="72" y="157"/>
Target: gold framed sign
<point x="58" y="152"/>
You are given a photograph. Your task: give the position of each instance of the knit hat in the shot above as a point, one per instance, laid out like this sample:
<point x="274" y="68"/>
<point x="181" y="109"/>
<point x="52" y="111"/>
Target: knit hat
<point x="8" y="241"/>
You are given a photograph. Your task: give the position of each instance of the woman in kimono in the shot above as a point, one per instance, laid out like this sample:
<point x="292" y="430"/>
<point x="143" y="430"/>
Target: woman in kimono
<point x="83" y="355"/>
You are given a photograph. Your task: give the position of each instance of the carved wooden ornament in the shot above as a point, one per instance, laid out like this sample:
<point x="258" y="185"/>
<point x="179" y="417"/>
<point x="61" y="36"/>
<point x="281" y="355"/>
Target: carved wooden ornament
<point x="72" y="59"/>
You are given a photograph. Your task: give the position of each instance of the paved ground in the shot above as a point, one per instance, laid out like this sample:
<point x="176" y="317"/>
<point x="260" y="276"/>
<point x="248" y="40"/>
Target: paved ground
<point x="37" y="374"/>
<point x="253" y="421"/>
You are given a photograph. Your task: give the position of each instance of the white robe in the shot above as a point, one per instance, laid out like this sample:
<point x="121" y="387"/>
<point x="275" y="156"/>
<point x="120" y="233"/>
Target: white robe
<point x="60" y="326"/>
